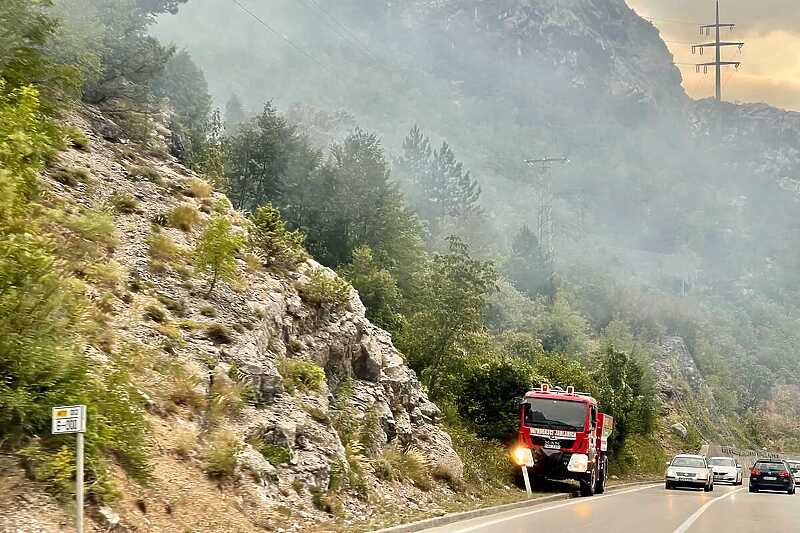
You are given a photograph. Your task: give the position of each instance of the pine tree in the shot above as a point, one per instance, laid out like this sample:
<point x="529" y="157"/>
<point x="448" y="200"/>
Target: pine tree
<point x="529" y="268"/>
<point x="258" y="158"/>
<point x="437" y="184"/>
<point x="234" y="114"/>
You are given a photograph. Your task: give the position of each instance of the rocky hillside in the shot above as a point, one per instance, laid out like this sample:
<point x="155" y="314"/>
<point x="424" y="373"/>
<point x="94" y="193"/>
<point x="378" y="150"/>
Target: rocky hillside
<point x="594" y="43"/>
<point x="293" y="390"/>
<point x="686" y="399"/>
<point x="761" y="141"/>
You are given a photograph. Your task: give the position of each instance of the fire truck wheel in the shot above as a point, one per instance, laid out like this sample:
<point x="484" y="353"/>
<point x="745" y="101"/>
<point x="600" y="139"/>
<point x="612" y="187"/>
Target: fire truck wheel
<point x="588" y="483"/>
<point x="600" y="485"/>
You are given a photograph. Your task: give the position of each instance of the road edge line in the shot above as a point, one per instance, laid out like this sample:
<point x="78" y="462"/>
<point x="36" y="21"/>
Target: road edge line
<point x="438" y="521"/>
<point x="684" y="527"/>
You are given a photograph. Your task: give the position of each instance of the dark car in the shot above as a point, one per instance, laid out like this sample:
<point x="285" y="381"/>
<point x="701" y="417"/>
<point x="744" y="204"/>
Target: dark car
<point x="771" y="474"/>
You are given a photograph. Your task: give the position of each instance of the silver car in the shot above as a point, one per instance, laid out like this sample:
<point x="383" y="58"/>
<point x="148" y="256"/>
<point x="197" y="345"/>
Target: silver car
<point x="726" y="470"/>
<point x="687" y="470"/>
<point x="794" y="466"/>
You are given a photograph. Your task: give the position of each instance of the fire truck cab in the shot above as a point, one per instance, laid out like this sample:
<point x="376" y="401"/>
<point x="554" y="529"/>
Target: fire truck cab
<point x="567" y="437"/>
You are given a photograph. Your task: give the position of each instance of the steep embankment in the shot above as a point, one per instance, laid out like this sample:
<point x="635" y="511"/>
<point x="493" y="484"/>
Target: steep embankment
<point x="247" y="432"/>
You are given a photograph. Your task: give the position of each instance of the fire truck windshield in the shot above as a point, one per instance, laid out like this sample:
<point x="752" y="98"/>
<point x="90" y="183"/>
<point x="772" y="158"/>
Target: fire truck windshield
<point x="555" y="414"/>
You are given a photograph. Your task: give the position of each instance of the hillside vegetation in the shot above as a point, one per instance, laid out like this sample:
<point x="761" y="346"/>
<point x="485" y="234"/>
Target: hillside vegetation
<point x="188" y="274"/>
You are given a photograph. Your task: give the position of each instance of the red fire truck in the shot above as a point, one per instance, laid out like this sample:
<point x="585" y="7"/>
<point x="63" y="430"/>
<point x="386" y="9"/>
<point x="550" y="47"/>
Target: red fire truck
<point x="562" y="435"/>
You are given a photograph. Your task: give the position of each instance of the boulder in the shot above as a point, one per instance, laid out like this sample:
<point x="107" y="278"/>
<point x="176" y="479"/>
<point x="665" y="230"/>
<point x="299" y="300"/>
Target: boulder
<point x="679" y="429"/>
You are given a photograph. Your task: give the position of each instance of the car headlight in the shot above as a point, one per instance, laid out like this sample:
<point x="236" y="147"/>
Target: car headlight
<point x="578" y="463"/>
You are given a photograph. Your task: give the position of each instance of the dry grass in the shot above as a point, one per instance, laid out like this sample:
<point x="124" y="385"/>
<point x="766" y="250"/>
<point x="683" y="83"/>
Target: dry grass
<point x="185" y="383"/>
<point x="71" y="176"/>
<point x="222" y="449"/>
<point x="165" y="250"/>
<point x="184" y="217"/>
<point x="394" y="464"/>
<point x="145" y="173"/>
<point x="108" y="274"/>
<point x="185" y="443"/>
<point x="200" y="189"/>
<point x="124" y="202"/>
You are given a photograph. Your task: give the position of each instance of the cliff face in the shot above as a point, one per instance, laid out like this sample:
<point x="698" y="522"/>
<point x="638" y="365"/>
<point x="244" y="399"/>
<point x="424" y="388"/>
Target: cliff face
<point x="760" y="142"/>
<point x="243" y="338"/>
<point x="597" y="44"/>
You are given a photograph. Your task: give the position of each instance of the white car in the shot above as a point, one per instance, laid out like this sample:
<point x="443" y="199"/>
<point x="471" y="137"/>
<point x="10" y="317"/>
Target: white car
<point x="726" y="470"/>
<point x="794" y="466"/>
<point x="687" y="470"/>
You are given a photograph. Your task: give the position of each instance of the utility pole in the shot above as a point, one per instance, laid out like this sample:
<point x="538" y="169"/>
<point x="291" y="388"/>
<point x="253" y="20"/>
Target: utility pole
<point x="717" y="45"/>
<point x="544" y="222"/>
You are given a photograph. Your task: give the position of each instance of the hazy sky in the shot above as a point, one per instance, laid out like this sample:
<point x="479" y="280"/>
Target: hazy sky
<point x="770" y="70"/>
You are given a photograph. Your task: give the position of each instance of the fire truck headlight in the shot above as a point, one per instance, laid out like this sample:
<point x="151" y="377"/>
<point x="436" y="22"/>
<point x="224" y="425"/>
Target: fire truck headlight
<point x="578" y="463"/>
<point x="523" y="456"/>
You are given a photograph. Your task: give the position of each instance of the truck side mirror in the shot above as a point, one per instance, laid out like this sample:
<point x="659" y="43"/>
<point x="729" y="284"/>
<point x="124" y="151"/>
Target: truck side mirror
<point x="667" y="463"/>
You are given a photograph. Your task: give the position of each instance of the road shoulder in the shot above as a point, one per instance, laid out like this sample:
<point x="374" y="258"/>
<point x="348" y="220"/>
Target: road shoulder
<point x="452" y="518"/>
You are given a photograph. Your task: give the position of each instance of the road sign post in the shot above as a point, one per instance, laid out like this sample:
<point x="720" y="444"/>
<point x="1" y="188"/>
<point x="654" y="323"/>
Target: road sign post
<point x="524" y="458"/>
<point x="72" y="419"/>
<point x="527" y="481"/>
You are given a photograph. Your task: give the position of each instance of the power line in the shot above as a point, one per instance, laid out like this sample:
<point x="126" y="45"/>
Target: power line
<point x="353" y="37"/>
<point x="345" y="33"/>
<point x="718" y="63"/>
<point x="281" y="36"/>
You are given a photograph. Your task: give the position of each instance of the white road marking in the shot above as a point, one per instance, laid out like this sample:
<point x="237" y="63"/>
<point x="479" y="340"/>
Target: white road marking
<point x="683" y="528"/>
<point x="552" y="507"/>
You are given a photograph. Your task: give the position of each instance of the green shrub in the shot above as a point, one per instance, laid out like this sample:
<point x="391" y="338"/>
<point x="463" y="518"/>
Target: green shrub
<point x="301" y="375"/>
<point x="124" y="202"/>
<point x="354" y="452"/>
<point x="322" y="288"/>
<point x="77" y="138"/>
<point x="222" y="450"/>
<point x="184" y="217"/>
<point x="491" y="387"/>
<point x="274" y="454"/>
<point x="56" y="468"/>
<point x="376" y="287"/>
<point x="71" y="176"/>
<point x="485" y="461"/>
<point x="145" y="173"/>
<point x="274" y="244"/>
<point x="216" y="251"/>
<point x="44" y="319"/>
<point x="96" y="227"/>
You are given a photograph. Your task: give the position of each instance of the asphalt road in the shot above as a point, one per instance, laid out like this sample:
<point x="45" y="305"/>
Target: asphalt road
<point x="650" y="509"/>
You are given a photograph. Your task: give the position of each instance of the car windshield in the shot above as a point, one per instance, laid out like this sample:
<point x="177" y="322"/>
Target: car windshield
<point x="770" y="467"/>
<point x="555" y="414"/>
<point x="692" y="462"/>
<point x="722" y="461"/>
<point x="794" y="466"/>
